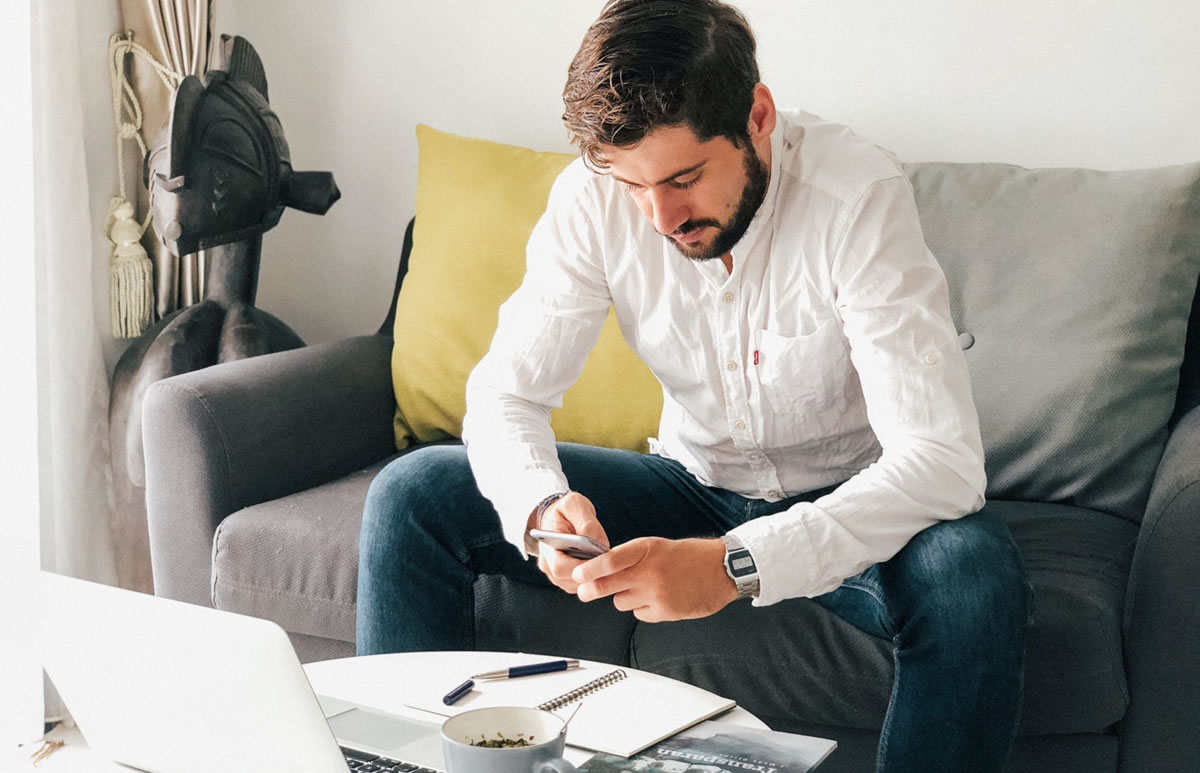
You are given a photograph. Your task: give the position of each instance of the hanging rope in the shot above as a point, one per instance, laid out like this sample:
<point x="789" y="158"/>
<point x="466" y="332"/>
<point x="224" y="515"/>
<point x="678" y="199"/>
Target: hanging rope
<point x="131" y="274"/>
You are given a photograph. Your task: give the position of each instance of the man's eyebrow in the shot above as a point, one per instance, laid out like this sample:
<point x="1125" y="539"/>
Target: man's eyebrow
<point x="669" y="177"/>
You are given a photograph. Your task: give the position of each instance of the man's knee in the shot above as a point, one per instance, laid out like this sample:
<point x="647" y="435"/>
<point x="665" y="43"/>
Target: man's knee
<point x="419" y="477"/>
<point x="415" y="491"/>
<point x="973" y="573"/>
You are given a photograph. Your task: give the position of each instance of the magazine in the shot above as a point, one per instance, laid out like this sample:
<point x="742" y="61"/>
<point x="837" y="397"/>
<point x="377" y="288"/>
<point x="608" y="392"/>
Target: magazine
<point x="721" y="747"/>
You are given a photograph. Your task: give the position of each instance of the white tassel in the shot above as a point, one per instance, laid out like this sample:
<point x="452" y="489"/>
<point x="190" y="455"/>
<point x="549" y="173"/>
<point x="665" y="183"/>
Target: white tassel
<point x="131" y="274"/>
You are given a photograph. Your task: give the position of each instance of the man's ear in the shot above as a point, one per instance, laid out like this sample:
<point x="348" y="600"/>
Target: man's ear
<point x="762" y="113"/>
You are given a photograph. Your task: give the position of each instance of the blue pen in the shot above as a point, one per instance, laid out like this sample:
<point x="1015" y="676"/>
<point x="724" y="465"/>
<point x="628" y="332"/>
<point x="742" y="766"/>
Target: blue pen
<point x="458" y="692"/>
<point x="529" y="670"/>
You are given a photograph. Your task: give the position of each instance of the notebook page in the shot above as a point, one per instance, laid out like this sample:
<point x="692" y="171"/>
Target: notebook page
<point x="621" y="718"/>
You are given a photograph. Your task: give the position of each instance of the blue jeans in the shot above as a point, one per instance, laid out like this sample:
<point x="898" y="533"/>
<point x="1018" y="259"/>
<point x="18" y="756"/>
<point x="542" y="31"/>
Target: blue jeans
<point x="954" y="602"/>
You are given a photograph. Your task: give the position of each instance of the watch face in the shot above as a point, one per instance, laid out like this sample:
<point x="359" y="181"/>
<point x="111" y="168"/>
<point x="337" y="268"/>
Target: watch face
<point x="741" y="564"/>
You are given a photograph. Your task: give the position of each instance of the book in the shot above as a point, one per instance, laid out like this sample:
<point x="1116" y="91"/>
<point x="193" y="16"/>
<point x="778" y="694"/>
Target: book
<point x="721" y="747"/>
<point x="621" y="711"/>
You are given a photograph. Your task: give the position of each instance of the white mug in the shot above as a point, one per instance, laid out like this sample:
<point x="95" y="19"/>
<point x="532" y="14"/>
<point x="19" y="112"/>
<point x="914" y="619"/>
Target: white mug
<point x="545" y="733"/>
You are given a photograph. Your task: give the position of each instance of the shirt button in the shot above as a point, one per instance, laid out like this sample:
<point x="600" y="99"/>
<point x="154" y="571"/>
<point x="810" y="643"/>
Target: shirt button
<point x="739" y="424"/>
<point x="773" y="494"/>
<point x="731" y="365"/>
<point x="932" y="358"/>
<point x="727" y="297"/>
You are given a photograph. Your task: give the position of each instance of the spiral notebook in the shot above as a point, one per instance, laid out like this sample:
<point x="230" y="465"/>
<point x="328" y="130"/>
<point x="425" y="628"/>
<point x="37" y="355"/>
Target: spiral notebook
<point x="621" y="711"/>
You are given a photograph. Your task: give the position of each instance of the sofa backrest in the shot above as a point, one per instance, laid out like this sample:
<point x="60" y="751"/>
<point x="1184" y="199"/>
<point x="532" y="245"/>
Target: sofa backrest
<point x="1071" y="290"/>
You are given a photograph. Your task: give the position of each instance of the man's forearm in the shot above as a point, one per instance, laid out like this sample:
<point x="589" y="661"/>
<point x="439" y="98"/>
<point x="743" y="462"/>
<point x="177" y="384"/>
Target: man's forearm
<point x="810" y="548"/>
<point x="512" y="453"/>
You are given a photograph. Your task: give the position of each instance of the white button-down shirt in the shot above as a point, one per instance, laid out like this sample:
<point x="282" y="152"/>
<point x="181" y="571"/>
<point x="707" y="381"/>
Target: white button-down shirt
<point x="828" y="354"/>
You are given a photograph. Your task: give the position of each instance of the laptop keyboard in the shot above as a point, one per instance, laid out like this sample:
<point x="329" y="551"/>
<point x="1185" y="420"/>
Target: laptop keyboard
<point x="363" y="762"/>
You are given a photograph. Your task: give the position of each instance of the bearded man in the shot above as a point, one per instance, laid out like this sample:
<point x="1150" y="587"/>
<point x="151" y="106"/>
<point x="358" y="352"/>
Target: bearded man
<point x="818" y="436"/>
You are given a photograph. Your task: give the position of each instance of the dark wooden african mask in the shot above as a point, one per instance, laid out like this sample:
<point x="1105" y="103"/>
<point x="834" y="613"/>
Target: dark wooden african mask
<point x="222" y="172"/>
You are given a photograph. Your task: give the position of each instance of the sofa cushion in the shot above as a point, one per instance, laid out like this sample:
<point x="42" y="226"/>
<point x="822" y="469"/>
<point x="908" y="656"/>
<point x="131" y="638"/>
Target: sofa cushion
<point x="294" y="560"/>
<point x="794" y="663"/>
<point x="477" y="202"/>
<point x="1071" y="290"/>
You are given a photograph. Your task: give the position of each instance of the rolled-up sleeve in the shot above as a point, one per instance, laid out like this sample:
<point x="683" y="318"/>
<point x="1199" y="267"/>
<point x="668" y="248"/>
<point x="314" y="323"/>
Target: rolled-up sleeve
<point x="894" y="306"/>
<point x="544" y="333"/>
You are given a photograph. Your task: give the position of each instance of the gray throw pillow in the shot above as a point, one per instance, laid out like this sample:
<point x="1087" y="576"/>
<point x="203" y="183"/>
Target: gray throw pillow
<point x="1071" y="290"/>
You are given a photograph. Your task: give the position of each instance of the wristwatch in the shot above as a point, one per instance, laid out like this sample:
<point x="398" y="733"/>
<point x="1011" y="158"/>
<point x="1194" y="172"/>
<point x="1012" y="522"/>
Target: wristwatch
<point x="740" y="567"/>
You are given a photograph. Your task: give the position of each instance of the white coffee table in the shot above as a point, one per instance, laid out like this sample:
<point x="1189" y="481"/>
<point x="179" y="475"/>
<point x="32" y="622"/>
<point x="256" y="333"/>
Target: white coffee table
<point x="386" y="681"/>
<point x="381" y="681"/>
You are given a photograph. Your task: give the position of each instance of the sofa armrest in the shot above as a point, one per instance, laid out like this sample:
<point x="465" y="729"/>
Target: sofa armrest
<point x="1162" y="615"/>
<point x="244" y="432"/>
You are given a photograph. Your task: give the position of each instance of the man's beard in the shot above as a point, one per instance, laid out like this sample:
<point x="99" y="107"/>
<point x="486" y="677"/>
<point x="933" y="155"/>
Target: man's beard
<point x="730" y="233"/>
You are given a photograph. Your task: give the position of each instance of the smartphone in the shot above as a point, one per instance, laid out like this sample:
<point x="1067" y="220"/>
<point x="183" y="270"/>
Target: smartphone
<point x="574" y="545"/>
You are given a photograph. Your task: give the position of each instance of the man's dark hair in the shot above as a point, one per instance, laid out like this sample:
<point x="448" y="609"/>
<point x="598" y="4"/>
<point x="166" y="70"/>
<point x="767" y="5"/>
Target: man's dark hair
<point x="647" y="64"/>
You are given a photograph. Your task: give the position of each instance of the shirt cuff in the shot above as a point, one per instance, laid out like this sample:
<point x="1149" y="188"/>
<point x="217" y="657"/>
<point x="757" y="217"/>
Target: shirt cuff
<point x="787" y="562"/>
<point x="516" y="502"/>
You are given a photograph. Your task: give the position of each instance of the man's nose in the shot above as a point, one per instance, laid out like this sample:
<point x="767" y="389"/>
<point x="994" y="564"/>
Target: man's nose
<point x="668" y="210"/>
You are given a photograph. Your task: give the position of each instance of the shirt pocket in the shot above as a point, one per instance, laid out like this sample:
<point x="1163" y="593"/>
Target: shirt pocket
<point x="803" y="373"/>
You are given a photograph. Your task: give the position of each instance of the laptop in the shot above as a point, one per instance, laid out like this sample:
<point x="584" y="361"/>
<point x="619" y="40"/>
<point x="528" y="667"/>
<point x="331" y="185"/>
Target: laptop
<point x="169" y="687"/>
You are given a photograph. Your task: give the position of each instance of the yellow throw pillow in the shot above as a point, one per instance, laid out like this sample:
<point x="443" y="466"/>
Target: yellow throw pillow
<point x="477" y="202"/>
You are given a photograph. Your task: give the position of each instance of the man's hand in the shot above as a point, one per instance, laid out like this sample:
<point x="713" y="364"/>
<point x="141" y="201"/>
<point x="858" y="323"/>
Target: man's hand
<point x="573" y="514"/>
<point x="660" y="579"/>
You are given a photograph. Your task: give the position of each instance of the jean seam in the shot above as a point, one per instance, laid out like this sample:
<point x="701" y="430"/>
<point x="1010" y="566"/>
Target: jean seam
<point x="886" y="729"/>
<point x="464" y="559"/>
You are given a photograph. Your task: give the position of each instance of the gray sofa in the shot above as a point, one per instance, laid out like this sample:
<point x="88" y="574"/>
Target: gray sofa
<point x="1073" y="293"/>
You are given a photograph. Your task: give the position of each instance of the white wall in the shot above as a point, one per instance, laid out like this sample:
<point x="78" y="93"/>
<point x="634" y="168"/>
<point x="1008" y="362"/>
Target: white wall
<point x="1107" y="84"/>
<point x="20" y="674"/>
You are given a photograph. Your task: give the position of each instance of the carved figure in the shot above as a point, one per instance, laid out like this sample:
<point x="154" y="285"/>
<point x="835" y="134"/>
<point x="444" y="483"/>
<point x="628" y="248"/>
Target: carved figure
<point x="219" y="177"/>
